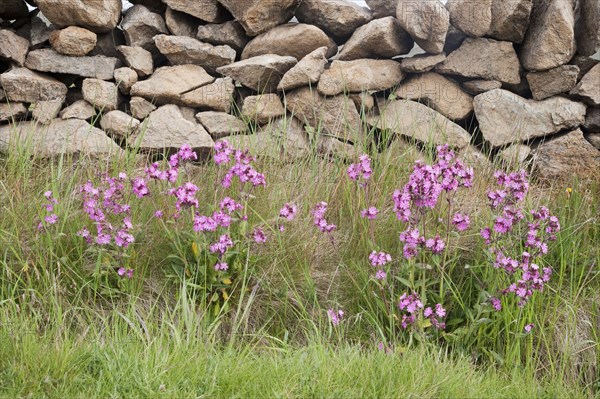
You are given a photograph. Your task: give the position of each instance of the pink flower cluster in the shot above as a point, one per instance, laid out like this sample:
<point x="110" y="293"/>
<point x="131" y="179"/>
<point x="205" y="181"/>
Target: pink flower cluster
<point x="319" y="218"/>
<point x="378" y="260"/>
<point x="414" y="242"/>
<point x="242" y="167"/>
<point x="335" y="316"/>
<point x="412" y="308"/>
<point x="51" y="217"/>
<point x="361" y="170"/>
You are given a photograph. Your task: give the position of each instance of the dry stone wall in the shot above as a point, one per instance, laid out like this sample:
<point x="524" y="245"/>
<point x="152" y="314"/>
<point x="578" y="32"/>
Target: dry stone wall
<point x="513" y="78"/>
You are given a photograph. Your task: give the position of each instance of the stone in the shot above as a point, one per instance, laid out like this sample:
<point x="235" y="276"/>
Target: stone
<point x="181" y="24"/>
<point x="554" y="81"/>
<point x="45" y="111"/>
<point x="97" y="15"/>
<point x="476" y="87"/>
<point x="73" y="40"/>
<point x="380" y="38"/>
<point x="59" y="137"/>
<point x="454" y="39"/>
<point x="138" y="59"/>
<point x="40" y="31"/>
<point x="258" y="16"/>
<point x="229" y="33"/>
<point x="78" y="110"/>
<point x="181" y="50"/>
<point x="506" y="118"/>
<point x="421" y="63"/>
<point x="104" y="96"/>
<point x="483" y="58"/>
<point x="592" y="120"/>
<point x="338" y="18"/>
<point x="331" y="147"/>
<point x="263" y="108"/>
<point x="383" y="8"/>
<point x="23" y="85"/>
<point x="48" y="60"/>
<point x="306" y="72"/>
<point x="13" y="47"/>
<point x="140" y="108"/>
<point x="515" y="154"/>
<point x="419" y="122"/>
<point x="258" y="145"/>
<point x="360" y="75"/>
<point x="262" y="73"/>
<point x="293" y="39"/>
<point x="13" y="9"/>
<point x="476" y="159"/>
<point x="426" y="21"/>
<point x="550" y="39"/>
<point x="12" y="111"/>
<point x="510" y="19"/>
<point x="588" y="87"/>
<point x="119" y="125"/>
<point x="438" y="92"/>
<point x="364" y="102"/>
<point x="335" y="116"/>
<point x="594" y="140"/>
<point x="125" y="78"/>
<point x="566" y="156"/>
<point x="584" y="63"/>
<point x="221" y="124"/>
<point x="587" y="27"/>
<point x="167" y="130"/>
<point x="107" y="43"/>
<point x="206" y="10"/>
<point x="474" y="18"/>
<point x="140" y="25"/>
<point x="217" y="96"/>
<point x="289" y="135"/>
<point x="167" y="84"/>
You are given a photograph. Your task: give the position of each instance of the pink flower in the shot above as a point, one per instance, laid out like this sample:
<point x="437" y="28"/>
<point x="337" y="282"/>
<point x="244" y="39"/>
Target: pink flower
<point x="380" y="275"/>
<point x="335" y="316"/>
<point x="529" y="327"/>
<point x="369" y="213"/>
<point x="496" y="304"/>
<point x="221" y="266"/>
<point x="259" y="236"/>
<point x="378" y="259"/>
<point x="222" y="245"/>
<point x="461" y="222"/>
<point x="125" y="272"/>
<point x="288" y="211"/>
<point x="158" y="214"/>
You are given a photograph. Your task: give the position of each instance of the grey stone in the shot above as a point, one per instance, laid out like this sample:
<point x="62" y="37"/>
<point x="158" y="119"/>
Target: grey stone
<point x="221" y="124"/>
<point x="73" y="40"/>
<point x="125" y="78"/>
<point x="262" y="73"/>
<point x="593" y="139"/>
<point x="13" y="47"/>
<point x="587" y="27"/>
<point x="515" y="154"/>
<point x="421" y="63"/>
<point x="588" y="87"/>
<point x="217" y="96"/>
<point x="206" y="10"/>
<point x="426" y="21"/>
<point x="258" y="16"/>
<point x="306" y="72"/>
<point x="553" y="81"/>
<point x="97" y="15"/>
<point x="140" y="25"/>
<point x="229" y="33"/>
<point x="474" y="18"/>
<point x="476" y="87"/>
<point x="138" y="59"/>
<point x="12" y="111"/>
<point x="181" y="50"/>
<point x="78" y="110"/>
<point x="360" y="75"/>
<point x="338" y="18"/>
<point x="181" y="24"/>
<point x="48" y="60"/>
<point x="45" y="111"/>
<point x="263" y="108"/>
<point x="510" y="19"/>
<point x="119" y="125"/>
<point x="104" y="96"/>
<point x="140" y="107"/>
<point x="383" y="8"/>
<point x="23" y="85"/>
<point x="592" y="120"/>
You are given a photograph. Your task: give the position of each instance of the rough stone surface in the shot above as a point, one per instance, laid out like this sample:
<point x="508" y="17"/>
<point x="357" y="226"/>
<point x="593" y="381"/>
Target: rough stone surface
<point x="206" y="10"/>
<point x="338" y="18"/>
<point x="383" y="8"/>
<point x="217" y="96"/>
<point x="103" y="95"/>
<point x="289" y="134"/>
<point x="587" y="27"/>
<point x="73" y="41"/>
<point x="140" y="25"/>
<point x="592" y="120"/>
<point x="417" y="121"/>
<point x="550" y="39"/>
<point x="594" y="139"/>
<point x="474" y="18"/>
<point x="13" y="47"/>
<point x="335" y="116"/>
<point x="261" y="109"/>
<point x="59" y="137"/>
<point x="97" y="15"/>
<point x="125" y="78"/>
<point x="78" y="110"/>
<point x="359" y="75"/>
<point x="13" y="9"/>
<point x="331" y="147"/>
<point x="106" y="43"/>
<point x="140" y="107"/>
<point x="45" y="111"/>
<point x="221" y="124"/>
<point x="510" y="19"/>
<point x="167" y="130"/>
<point x="566" y="156"/>
<point x="589" y="87"/>
<point x="258" y="16"/>
<point x="181" y="24"/>
<point x="475" y="87"/>
<point x="167" y="84"/>
<point x="12" y="111"/>
<point x="294" y="40"/>
<point x="138" y="59"/>
<point x="364" y="102"/>
<point x="229" y="33"/>
<point x="262" y="73"/>
<point x="584" y="63"/>
<point x="119" y="125"/>
<point x="439" y="93"/>
<point x="421" y="63"/>
<point x="454" y="39"/>
<point x="23" y="85"/>
<point x="483" y="58"/>
<point x="554" y="81"/>
<point x="181" y="50"/>
<point x="306" y="72"/>
<point x="48" y="60"/>
<point x="381" y="38"/>
<point x="474" y="158"/>
<point x="426" y="21"/>
<point x="506" y="118"/>
<point x="515" y="154"/>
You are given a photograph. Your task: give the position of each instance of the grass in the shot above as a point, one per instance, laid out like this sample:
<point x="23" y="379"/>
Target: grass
<point x="70" y="329"/>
